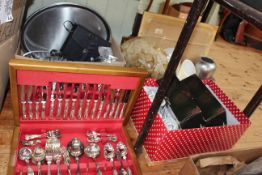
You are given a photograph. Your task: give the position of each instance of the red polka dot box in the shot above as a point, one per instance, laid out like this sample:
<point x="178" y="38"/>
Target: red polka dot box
<point x="164" y="144"/>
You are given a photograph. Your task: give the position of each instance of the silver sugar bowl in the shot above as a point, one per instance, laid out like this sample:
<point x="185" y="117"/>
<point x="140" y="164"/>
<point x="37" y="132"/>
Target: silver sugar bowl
<point x="205" y="68"/>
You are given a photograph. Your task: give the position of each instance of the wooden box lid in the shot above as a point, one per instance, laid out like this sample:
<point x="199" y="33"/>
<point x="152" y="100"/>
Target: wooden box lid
<point x="35" y="74"/>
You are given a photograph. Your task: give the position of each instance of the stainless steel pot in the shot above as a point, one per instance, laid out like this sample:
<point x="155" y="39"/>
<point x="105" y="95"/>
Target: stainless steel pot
<point x="46" y="29"/>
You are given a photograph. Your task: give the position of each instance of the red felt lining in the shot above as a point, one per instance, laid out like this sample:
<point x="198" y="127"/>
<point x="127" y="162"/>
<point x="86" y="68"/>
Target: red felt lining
<point x="69" y="123"/>
<point x="78" y="130"/>
<point x="42" y="78"/>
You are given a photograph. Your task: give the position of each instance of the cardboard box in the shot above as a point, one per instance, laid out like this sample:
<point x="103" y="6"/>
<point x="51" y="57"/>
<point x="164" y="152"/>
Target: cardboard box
<point x="164" y="31"/>
<point x="114" y="46"/>
<point x="245" y="156"/>
<point x="9" y="46"/>
<point x="83" y="95"/>
<point x="9" y="35"/>
<point x="172" y="10"/>
<point x="164" y="144"/>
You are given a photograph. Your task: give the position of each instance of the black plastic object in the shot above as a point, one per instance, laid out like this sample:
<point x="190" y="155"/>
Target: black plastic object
<point x="213" y="112"/>
<point x="194" y="105"/>
<point x="186" y="110"/>
<point x="82" y="45"/>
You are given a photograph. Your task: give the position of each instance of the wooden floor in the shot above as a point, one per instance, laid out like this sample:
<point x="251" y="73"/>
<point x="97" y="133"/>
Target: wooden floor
<point x="239" y="74"/>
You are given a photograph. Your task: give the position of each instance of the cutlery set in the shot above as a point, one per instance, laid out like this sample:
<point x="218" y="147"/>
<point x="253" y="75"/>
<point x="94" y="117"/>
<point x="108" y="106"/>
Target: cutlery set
<point x="70" y="118"/>
<point x="58" y="158"/>
<point x="70" y="101"/>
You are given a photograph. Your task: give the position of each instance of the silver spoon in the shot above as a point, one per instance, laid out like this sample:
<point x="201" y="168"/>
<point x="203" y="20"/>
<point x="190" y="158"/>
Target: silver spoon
<point x="66" y="157"/>
<point x="38" y="156"/>
<point x="122" y="169"/>
<point x="94" y="136"/>
<point x="76" y="149"/>
<point x="25" y="154"/>
<point x="109" y="154"/>
<point x="92" y="150"/>
<point x="121" y="151"/>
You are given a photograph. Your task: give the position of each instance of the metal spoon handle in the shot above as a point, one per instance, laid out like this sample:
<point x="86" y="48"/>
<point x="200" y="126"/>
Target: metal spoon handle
<point x="39" y="168"/>
<point x="98" y="171"/>
<point x="78" y="167"/>
<point x="29" y="169"/>
<point x="23" y="109"/>
<point x="68" y="170"/>
<point x="32" y="136"/>
<point x="48" y="168"/>
<point x="58" y="168"/>
<point x="30" y="110"/>
<point x="114" y="169"/>
<point x="129" y="172"/>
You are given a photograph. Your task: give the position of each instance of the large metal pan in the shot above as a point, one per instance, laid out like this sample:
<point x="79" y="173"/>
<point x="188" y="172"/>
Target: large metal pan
<point x="46" y="29"/>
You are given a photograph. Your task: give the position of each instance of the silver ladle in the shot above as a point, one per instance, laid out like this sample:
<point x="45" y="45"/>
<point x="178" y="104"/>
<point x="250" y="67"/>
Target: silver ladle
<point x="25" y="154"/>
<point x="92" y="150"/>
<point x="76" y="149"/>
<point x="109" y="154"/>
<point x="38" y="156"/>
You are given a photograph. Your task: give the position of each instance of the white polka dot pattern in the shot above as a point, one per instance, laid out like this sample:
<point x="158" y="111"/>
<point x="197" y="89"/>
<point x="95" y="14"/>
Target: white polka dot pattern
<point x="162" y="144"/>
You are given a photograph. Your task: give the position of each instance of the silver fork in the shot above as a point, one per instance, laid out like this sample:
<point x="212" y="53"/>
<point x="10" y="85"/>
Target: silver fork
<point x="52" y="144"/>
<point x="48" y="158"/>
<point x="57" y="157"/>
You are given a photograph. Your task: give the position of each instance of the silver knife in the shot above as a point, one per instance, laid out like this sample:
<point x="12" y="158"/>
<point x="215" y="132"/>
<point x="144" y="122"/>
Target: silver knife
<point x="51" y="114"/>
<point x="113" y="103"/>
<point x="125" y="100"/>
<point x="43" y="102"/>
<point x="23" y="102"/>
<point x="119" y="102"/>
<point x="30" y="110"/>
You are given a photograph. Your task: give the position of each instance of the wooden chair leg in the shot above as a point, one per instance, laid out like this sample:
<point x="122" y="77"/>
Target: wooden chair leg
<point x="253" y="103"/>
<point x="183" y="39"/>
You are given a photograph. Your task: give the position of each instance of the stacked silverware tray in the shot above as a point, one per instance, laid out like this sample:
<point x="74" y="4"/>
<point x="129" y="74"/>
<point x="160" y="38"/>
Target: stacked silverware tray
<point x="63" y="101"/>
<point x="70" y="118"/>
<point x="65" y="152"/>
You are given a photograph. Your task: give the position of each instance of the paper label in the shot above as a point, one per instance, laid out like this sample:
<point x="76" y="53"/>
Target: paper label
<point x="6" y="11"/>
